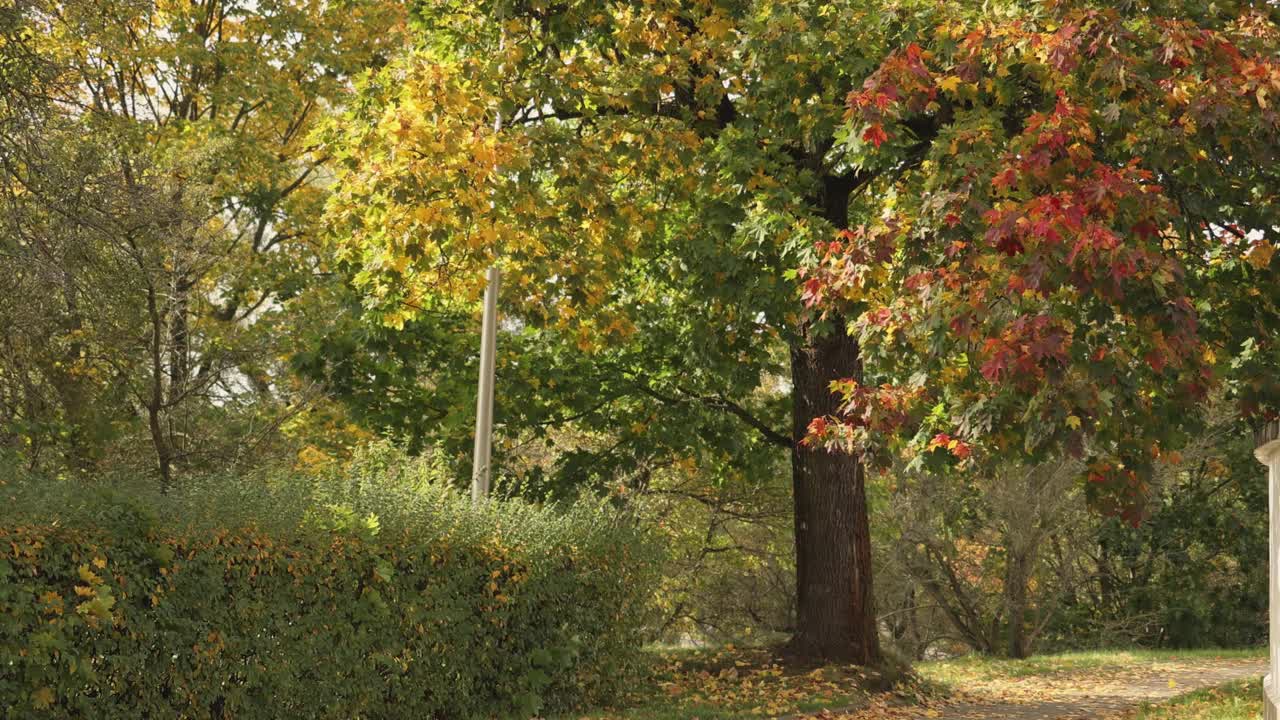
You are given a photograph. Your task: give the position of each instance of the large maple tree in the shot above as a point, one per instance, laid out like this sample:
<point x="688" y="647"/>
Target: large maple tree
<point x="646" y="173"/>
<point x="1085" y="250"/>
<point x="649" y="173"/>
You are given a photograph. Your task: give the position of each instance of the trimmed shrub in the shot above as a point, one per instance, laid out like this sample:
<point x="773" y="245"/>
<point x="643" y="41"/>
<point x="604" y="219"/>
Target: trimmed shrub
<point x="435" y="609"/>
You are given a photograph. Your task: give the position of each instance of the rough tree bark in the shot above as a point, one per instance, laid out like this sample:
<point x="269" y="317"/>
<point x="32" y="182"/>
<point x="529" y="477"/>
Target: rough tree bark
<point x="835" y="609"/>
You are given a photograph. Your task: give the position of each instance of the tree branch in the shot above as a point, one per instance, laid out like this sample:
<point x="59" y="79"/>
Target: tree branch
<point x="720" y="402"/>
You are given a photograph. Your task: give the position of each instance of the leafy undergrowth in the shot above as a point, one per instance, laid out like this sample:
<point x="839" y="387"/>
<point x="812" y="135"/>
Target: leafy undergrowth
<point x="752" y="683"/>
<point x="1234" y="701"/>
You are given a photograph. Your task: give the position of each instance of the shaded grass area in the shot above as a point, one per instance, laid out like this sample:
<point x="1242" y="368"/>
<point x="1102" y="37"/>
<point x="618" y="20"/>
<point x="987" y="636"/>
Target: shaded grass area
<point x="729" y="682"/>
<point x="970" y="669"/>
<point x="1233" y="701"/>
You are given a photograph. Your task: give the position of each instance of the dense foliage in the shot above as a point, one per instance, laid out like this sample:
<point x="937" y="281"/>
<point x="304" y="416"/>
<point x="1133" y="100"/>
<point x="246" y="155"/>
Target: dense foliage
<point x="1083" y="244"/>
<point x="990" y="249"/>
<point x="1006" y="564"/>
<point x="645" y="173"/>
<point x="1015" y="562"/>
<point x="343" y="600"/>
<point x="159" y="201"/>
<point x="1193" y="574"/>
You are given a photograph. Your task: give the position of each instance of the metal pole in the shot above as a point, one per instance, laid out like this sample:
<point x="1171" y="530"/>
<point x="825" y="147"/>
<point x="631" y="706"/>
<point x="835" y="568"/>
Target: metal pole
<point x="484" y="399"/>
<point x="488" y="346"/>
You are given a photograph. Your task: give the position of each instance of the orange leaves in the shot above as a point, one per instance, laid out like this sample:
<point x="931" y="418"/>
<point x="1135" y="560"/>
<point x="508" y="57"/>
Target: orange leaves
<point x="1025" y="350"/>
<point x="1259" y="253"/>
<point x="812" y="291"/>
<point x="42" y="698"/>
<point x="865" y="416"/>
<point x="879" y="98"/>
<point x="51" y="603"/>
<point x="817" y="428"/>
<point x="955" y="446"/>
<point x="1005" y="179"/>
<point x="752" y="683"/>
<point x="850" y="268"/>
<point x="875" y="134"/>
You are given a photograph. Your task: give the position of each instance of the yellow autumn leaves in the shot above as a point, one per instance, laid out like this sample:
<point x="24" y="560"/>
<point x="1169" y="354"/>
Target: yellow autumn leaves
<point x="438" y="184"/>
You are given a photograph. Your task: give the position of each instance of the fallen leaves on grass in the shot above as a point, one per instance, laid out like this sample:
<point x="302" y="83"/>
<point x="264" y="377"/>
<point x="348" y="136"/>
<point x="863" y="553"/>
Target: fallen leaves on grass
<point x="755" y="683"/>
<point x="739" y="684"/>
<point x="1234" y="701"/>
<point x="743" y="683"/>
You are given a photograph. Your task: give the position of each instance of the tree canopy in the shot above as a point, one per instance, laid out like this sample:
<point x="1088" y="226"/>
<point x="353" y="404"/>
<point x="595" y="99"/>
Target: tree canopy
<point x="161" y="198"/>
<point x="1085" y="249"/>
<point x="1042" y="224"/>
<point x="752" y="249"/>
<point x="642" y="180"/>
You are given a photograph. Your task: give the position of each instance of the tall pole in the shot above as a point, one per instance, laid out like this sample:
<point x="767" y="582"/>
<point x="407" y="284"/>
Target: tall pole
<point x="484" y="398"/>
<point x="488" y="345"/>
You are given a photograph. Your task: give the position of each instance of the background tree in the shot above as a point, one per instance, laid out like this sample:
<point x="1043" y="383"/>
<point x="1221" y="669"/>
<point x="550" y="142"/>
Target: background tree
<point x="978" y="550"/>
<point x="957" y="557"/>
<point x="163" y="212"/>
<point x="1187" y="577"/>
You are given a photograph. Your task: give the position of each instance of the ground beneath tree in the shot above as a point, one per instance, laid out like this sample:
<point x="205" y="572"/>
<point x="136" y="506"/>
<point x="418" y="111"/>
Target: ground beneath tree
<point x="1073" y="695"/>
<point x="728" y="683"/>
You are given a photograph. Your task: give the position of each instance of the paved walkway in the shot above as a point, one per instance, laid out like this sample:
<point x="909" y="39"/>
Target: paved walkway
<point x="1090" y="695"/>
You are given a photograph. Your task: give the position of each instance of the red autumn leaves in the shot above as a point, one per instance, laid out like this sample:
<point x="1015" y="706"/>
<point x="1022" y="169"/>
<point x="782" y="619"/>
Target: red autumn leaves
<point x="1024" y="350"/>
<point x="875" y="134"/>
<point x="1034" y="243"/>
<point x="955" y="446"/>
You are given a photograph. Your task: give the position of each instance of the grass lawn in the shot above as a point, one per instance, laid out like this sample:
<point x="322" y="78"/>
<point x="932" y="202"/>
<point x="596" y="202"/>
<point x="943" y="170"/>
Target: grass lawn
<point x="978" y="669"/>
<point x="1235" y="701"/>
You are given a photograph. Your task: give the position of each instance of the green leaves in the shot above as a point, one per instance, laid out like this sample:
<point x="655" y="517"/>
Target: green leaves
<point x="459" y="614"/>
<point x="644" y="200"/>
<point x="1072" y="220"/>
<point x="163" y="145"/>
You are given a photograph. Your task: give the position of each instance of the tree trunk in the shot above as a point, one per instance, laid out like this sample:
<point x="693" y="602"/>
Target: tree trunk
<point x="835" y="612"/>
<point x="155" y="403"/>
<point x="70" y="386"/>
<point x="1017" y="575"/>
<point x="179" y="358"/>
<point x="161" y="444"/>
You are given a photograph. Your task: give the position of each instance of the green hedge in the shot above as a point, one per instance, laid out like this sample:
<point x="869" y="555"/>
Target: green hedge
<point x="450" y="612"/>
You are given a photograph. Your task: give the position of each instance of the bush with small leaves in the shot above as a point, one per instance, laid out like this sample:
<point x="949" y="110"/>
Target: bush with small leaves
<point x="122" y="607"/>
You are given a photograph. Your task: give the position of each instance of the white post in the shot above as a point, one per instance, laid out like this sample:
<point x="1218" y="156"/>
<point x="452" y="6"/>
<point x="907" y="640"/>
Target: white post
<point x="488" y="346"/>
<point x="484" y="398"/>
<point x="1267" y="441"/>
